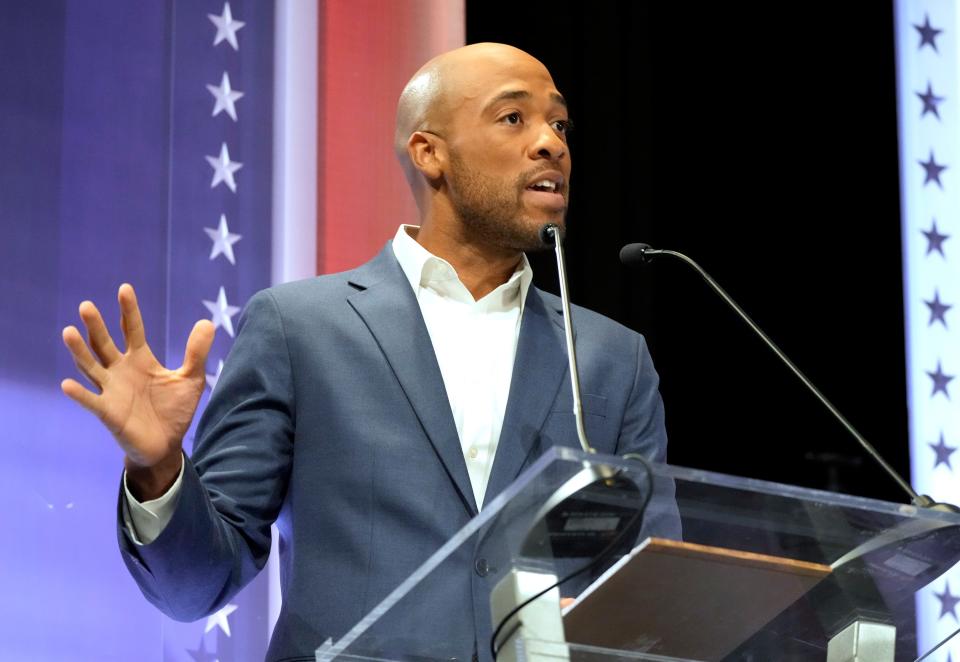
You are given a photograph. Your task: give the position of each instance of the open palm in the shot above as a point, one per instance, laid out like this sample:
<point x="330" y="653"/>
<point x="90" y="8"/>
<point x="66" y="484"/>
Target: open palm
<point x="146" y="407"/>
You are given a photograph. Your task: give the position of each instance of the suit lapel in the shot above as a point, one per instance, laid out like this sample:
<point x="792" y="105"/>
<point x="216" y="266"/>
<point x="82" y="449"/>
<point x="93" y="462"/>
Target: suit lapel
<point x="538" y="371"/>
<point x="389" y="308"/>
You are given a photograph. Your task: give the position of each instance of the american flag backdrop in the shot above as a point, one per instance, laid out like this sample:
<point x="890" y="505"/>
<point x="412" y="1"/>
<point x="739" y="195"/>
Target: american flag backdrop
<point x="181" y="146"/>
<point x="928" y="81"/>
<point x="137" y="142"/>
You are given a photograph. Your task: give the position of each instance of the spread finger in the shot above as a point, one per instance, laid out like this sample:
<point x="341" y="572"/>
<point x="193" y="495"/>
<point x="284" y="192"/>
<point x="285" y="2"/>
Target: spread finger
<point x="130" y="320"/>
<point x="98" y="336"/>
<point x="85" y="361"/>
<point x="82" y="396"/>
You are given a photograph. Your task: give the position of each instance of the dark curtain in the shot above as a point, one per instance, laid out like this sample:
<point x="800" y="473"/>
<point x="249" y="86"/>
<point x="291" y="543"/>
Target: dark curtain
<point x="763" y="143"/>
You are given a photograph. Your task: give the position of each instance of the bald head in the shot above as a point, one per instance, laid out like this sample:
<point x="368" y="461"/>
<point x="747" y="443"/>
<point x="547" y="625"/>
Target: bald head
<point x="442" y="85"/>
<point x="427" y="97"/>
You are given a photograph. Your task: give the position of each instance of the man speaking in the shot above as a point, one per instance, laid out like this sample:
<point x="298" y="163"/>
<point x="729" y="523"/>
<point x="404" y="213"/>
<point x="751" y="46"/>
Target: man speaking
<point x="372" y="413"/>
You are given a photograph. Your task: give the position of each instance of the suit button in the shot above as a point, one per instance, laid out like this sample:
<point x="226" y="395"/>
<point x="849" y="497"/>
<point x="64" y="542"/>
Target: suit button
<point x="481" y="567"/>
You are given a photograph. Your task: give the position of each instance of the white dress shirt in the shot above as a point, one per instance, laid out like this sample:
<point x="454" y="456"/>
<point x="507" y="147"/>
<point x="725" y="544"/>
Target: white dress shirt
<point x="475" y="343"/>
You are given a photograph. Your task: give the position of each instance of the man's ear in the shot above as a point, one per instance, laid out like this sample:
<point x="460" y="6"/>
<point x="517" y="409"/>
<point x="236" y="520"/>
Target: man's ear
<point x="426" y="152"/>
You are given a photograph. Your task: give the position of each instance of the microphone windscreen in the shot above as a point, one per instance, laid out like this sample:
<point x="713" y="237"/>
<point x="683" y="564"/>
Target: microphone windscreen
<point x="633" y="254"/>
<point x="546" y="234"/>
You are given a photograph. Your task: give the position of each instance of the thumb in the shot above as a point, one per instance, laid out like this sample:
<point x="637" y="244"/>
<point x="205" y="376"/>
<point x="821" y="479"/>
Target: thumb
<point x="198" y="346"/>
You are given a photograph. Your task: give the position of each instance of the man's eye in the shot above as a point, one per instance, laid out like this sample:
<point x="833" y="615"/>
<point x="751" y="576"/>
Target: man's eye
<point x="562" y="126"/>
<point x="512" y="119"/>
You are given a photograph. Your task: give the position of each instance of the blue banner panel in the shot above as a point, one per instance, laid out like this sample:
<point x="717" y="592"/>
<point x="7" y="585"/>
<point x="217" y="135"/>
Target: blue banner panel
<point x="221" y="129"/>
<point x="83" y="176"/>
<point x="106" y="118"/>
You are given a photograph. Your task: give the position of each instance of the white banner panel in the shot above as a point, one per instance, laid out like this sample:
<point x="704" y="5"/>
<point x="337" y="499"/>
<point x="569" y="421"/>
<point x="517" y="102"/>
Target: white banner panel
<point x="928" y="95"/>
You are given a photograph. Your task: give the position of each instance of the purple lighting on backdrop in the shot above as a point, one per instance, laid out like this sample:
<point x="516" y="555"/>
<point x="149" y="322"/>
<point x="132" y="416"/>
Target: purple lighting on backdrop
<point x="105" y="120"/>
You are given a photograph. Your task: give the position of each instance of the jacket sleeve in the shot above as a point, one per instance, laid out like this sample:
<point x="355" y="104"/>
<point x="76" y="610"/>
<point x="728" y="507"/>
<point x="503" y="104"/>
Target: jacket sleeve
<point x="643" y="432"/>
<point x="235" y="483"/>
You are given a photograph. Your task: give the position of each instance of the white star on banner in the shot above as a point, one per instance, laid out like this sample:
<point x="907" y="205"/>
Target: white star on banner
<point x="223" y="168"/>
<point x="226" y="27"/>
<point x="219" y="619"/>
<point x="225" y="97"/>
<point x="215" y="377"/>
<point x="223" y="240"/>
<point x="222" y="312"/>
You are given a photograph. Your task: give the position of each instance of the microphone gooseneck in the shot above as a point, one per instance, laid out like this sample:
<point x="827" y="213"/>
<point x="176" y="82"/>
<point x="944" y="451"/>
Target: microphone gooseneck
<point x="552" y="234"/>
<point x="638" y="254"/>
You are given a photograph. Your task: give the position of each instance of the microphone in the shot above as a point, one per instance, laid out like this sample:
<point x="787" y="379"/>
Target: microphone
<point x="639" y="254"/>
<point x="636" y="254"/>
<point x="575" y="520"/>
<point x="551" y="235"/>
<point x="595" y="494"/>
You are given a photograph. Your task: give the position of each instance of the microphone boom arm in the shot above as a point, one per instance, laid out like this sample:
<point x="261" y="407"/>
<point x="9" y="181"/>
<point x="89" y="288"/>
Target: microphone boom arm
<point x="922" y="501"/>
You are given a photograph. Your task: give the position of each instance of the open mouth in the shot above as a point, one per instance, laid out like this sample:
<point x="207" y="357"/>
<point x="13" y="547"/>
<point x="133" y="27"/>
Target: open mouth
<point x="545" y="185"/>
<point x="546" y="191"/>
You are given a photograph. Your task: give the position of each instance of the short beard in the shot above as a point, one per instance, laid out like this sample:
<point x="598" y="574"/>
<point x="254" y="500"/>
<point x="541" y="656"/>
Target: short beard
<point x="490" y="210"/>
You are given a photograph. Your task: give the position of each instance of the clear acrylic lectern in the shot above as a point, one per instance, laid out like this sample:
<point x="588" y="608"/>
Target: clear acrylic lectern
<point x="668" y="564"/>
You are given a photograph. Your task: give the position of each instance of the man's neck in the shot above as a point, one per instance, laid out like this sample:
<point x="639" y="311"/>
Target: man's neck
<point x="481" y="269"/>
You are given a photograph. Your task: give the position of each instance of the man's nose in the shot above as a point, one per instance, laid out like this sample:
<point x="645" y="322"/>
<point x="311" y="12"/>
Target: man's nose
<point x="549" y="145"/>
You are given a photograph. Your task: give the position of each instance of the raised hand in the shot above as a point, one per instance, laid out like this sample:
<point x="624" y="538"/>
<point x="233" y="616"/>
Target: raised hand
<point x="146" y="407"/>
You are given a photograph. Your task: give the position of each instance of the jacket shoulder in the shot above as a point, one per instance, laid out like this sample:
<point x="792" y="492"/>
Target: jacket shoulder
<point x="590" y="324"/>
<point x="329" y="287"/>
<point x="310" y="288"/>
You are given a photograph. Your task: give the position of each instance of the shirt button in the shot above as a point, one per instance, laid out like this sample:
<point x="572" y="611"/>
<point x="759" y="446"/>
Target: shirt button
<point x="481" y="567"/>
<point x="472" y="453"/>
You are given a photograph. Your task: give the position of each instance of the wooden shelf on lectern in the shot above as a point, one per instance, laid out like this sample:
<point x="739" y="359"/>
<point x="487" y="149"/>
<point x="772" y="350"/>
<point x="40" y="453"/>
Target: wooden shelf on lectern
<point x="684" y="600"/>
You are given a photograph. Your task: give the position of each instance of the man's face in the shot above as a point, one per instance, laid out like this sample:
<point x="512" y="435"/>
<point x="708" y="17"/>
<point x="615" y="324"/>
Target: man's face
<point x="509" y="171"/>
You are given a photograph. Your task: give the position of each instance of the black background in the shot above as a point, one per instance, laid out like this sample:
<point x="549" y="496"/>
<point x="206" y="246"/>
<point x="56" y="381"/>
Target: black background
<point x="762" y="142"/>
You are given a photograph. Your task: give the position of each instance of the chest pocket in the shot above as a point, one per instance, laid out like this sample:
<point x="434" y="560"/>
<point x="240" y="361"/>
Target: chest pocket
<point x="593" y="405"/>
<point x="561" y="427"/>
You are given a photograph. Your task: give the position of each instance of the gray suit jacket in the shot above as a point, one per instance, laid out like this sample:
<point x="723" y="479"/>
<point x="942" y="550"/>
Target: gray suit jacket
<point x="330" y="418"/>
